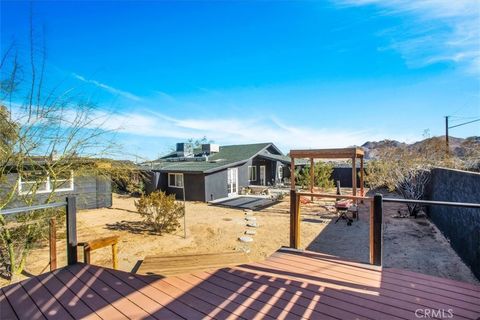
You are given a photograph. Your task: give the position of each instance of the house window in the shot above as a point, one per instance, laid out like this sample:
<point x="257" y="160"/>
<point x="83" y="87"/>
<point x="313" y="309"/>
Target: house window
<point x="252" y="173"/>
<point x="39" y="182"/>
<point x="175" y="180"/>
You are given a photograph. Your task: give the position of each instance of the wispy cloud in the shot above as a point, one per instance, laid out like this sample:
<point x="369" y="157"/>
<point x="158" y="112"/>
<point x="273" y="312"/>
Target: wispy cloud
<point x="440" y="30"/>
<point x="234" y="130"/>
<point x="108" y="88"/>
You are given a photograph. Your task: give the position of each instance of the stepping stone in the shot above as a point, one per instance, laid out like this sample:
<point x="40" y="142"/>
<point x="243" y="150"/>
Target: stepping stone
<point x="252" y="224"/>
<point x="251" y="219"/>
<point x="248" y="212"/>
<point x="245" y="239"/>
<point x="250" y="232"/>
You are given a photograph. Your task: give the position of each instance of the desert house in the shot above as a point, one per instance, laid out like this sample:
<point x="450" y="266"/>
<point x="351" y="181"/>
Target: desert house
<point x="211" y="172"/>
<point x="33" y="184"/>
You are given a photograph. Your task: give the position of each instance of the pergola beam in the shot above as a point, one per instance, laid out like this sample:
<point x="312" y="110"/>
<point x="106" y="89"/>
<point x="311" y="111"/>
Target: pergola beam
<point x="312" y="154"/>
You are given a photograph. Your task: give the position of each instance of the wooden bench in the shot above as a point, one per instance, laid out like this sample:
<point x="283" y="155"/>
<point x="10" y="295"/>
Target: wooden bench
<point x="178" y="264"/>
<point x="90" y="246"/>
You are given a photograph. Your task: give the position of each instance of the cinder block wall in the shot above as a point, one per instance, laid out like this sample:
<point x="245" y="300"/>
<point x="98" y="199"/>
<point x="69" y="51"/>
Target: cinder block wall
<point x="460" y="225"/>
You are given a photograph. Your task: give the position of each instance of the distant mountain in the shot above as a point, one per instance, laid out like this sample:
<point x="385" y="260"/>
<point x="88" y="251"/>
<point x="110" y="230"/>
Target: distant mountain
<point x="458" y="146"/>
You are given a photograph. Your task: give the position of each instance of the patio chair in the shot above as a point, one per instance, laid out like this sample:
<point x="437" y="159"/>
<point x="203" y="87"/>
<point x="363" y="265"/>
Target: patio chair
<point x="343" y="207"/>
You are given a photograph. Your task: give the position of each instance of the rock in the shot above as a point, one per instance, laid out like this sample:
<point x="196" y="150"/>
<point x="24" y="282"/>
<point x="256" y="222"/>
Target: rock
<point x="245" y="239"/>
<point x="252" y="224"/>
<point x="250" y="232"/>
<point x="248" y="212"/>
<point x="251" y="219"/>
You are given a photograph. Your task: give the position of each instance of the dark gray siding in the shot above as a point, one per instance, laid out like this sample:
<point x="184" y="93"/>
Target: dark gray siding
<point x="216" y="185"/>
<point x="243" y="175"/>
<point x="270" y="171"/>
<point x="91" y="192"/>
<point x="460" y="225"/>
<point x="194" y="185"/>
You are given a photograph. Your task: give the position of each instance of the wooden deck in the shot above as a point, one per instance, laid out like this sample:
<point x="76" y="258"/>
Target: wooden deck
<point x="188" y="263"/>
<point x="288" y="285"/>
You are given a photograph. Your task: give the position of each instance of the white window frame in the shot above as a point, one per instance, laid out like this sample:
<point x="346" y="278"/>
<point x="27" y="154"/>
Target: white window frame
<point x="48" y="185"/>
<point x="254" y="171"/>
<point x="175" y="176"/>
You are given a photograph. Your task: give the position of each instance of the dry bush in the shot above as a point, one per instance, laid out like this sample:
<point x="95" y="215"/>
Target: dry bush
<point x="160" y="211"/>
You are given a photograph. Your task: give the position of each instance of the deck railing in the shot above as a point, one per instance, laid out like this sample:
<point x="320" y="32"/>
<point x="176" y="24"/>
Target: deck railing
<point x="71" y="227"/>
<point x="376" y="216"/>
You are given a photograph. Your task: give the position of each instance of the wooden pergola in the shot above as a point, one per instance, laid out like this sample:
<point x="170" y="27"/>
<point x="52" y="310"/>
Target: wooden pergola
<point x="346" y="153"/>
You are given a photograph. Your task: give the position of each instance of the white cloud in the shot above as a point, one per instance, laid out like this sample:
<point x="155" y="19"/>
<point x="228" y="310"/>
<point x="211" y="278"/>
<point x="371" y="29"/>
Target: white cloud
<point x="233" y="131"/>
<point x="108" y="88"/>
<point x="441" y="30"/>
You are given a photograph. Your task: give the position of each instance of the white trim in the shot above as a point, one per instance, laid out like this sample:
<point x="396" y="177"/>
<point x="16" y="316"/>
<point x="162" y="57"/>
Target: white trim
<point x="232" y="180"/>
<point x="174" y="174"/>
<point x="264" y="175"/>
<point x="254" y="171"/>
<point x="48" y="185"/>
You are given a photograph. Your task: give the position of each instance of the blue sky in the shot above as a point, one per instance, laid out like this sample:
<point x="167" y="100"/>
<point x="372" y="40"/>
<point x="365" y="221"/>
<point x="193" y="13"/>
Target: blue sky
<point x="301" y="74"/>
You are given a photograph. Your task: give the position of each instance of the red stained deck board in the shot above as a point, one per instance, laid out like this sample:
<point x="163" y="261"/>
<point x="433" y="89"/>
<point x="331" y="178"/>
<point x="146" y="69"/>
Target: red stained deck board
<point x="289" y="285"/>
<point x="337" y="299"/>
<point x="403" y="289"/>
<point x="6" y="310"/>
<point x="73" y="304"/>
<point x="281" y="298"/>
<point x="429" y="297"/>
<point x="92" y="299"/>
<point x="145" y="302"/>
<point x="95" y="282"/>
<point x="47" y="303"/>
<point x="22" y="304"/>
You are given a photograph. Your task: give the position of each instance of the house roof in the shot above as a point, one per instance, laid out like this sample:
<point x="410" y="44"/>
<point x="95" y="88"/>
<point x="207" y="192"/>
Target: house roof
<point x="227" y="156"/>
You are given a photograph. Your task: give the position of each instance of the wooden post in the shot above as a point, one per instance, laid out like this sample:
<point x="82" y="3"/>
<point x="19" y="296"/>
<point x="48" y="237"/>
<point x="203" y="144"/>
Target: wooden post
<point x="86" y="254"/>
<point x="292" y="174"/>
<point x="293" y="210"/>
<point x="354" y="175"/>
<point x="312" y="177"/>
<point x="114" y="256"/>
<point x="362" y="189"/>
<point x="53" y="243"/>
<point x="93" y="245"/>
<point x="293" y="196"/>
<point x="376" y="215"/>
<point x="71" y="231"/>
<point x="297" y="222"/>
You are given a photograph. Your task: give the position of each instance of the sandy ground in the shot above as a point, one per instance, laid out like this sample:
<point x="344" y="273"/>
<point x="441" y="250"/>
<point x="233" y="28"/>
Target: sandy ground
<point x="413" y="244"/>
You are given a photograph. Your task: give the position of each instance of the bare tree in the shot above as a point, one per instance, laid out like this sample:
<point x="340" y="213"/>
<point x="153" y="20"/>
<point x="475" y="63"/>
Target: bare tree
<point x="46" y="134"/>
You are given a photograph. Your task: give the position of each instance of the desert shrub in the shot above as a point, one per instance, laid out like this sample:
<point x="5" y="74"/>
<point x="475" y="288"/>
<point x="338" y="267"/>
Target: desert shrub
<point x="412" y="185"/>
<point x="160" y="211"/>
<point x="322" y="176"/>
<point x="400" y="171"/>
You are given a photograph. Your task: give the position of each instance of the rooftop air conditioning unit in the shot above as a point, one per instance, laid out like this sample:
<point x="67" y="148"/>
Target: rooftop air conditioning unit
<point x="184" y="150"/>
<point x="210" y="148"/>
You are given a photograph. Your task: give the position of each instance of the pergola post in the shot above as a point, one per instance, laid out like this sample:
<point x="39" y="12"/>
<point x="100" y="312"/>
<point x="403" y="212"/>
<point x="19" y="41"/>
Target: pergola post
<point x="354" y="175"/>
<point x="312" y="177"/>
<point x="293" y="204"/>
<point x="362" y="189"/>
<point x="346" y="153"/>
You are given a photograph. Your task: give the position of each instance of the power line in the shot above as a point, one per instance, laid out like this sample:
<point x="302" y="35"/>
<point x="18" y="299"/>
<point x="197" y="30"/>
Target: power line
<point x="462" y="124"/>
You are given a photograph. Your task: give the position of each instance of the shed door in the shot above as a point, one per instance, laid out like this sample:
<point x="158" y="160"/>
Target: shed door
<point x="232" y="181"/>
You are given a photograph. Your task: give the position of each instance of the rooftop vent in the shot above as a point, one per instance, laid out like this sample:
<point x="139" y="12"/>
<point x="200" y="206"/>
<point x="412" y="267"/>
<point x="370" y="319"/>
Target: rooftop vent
<point x="184" y="150"/>
<point x="209" y="148"/>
